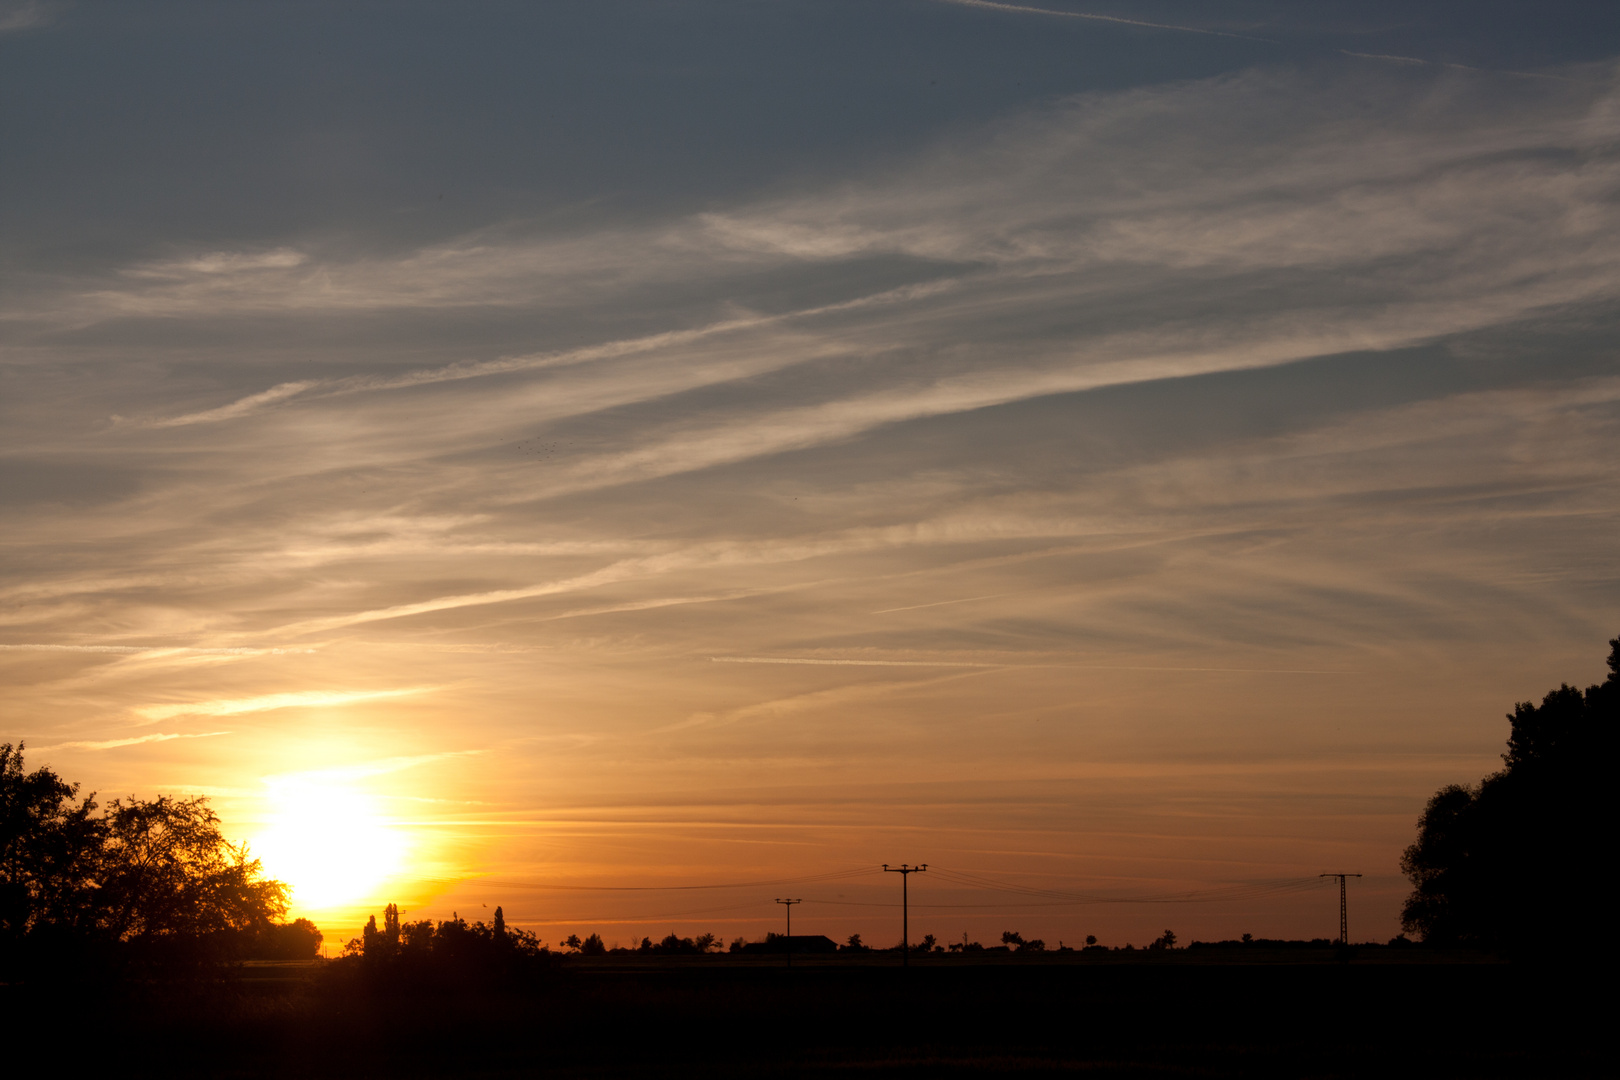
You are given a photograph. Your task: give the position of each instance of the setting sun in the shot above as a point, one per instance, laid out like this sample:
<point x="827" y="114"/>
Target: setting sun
<point x="328" y="841"/>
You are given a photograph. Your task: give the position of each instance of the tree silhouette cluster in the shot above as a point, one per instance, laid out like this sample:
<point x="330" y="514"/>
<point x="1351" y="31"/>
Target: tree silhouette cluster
<point x="674" y="945"/>
<point x="451" y="950"/>
<point x="1499" y="864"/>
<point x="151" y="881"/>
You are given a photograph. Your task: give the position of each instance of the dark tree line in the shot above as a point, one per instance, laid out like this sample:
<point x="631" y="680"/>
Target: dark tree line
<point x="143" y="881"/>
<point x="401" y="955"/>
<point x="1512" y="863"/>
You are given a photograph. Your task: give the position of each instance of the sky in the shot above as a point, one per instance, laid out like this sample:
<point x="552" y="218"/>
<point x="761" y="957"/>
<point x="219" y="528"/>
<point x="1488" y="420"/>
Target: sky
<point x="561" y="455"/>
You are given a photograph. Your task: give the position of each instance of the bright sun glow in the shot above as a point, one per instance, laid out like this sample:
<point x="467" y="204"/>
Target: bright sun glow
<point x="327" y="840"/>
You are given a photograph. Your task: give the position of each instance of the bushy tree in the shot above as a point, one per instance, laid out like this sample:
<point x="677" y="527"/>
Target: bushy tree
<point x="148" y="879"/>
<point x="425" y="952"/>
<point x="297" y="940"/>
<point x="50" y="851"/>
<point x="167" y="871"/>
<point x="1496" y="864"/>
<point x="677" y="945"/>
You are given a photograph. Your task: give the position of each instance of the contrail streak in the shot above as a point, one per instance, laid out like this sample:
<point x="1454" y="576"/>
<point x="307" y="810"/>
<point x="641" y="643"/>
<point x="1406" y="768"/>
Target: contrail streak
<point x="848" y="663"/>
<point x="940" y="603"/>
<point x="1105" y="18"/>
<point x="1393" y="58"/>
<point x="1052" y="666"/>
<point x="126" y="650"/>
<point x="111" y="744"/>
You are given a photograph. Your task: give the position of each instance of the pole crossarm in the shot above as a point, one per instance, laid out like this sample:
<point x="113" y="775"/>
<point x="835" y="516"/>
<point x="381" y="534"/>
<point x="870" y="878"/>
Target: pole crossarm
<point x="905" y="871"/>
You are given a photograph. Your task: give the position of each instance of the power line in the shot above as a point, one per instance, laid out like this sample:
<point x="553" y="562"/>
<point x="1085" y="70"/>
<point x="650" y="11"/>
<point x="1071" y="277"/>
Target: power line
<point x="1038" y="896"/>
<point x="1239" y="891"/>
<point x="836" y="875"/>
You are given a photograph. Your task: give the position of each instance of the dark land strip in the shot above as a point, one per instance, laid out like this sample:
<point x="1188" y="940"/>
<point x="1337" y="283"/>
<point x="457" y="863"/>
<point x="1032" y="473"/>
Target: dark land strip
<point x="1164" y="1016"/>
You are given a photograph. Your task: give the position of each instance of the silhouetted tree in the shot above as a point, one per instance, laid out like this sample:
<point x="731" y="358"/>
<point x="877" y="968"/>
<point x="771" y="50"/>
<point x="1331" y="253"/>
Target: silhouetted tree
<point x="416" y="937"/>
<point x="593" y="946"/>
<point x="1091" y="939"/>
<point x="854" y="944"/>
<point x="1011" y="938"/>
<point x="426" y="953"/>
<point x="50" y="853"/>
<point x="151" y="880"/>
<point x="677" y="945"/>
<point x="168" y="873"/>
<point x="1166" y="940"/>
<point x="1496" y="864"/>
<point x="297" y="940"/>
<point x="572" y="941"/>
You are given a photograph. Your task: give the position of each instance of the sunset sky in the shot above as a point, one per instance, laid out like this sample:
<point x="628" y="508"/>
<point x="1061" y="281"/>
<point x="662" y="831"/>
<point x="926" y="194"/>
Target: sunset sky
<point x="524" y="453"/>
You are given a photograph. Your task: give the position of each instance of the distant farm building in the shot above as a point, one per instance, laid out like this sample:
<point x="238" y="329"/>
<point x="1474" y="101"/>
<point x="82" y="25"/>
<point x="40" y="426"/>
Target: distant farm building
<point x="798" y="943"/>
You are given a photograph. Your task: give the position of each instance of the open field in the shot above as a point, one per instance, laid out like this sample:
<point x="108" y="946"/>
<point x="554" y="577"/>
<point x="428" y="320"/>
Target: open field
<point x="1180" y="1015"/>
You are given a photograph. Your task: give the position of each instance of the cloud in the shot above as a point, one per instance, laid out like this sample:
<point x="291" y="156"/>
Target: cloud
<point x="1244" y="251"/>
<point x="114" y="744"/>
<point x="842" y="662"/>
<point x="240" y="407"/>
<point x="1027" y="10"/>
<point x="939" y="603"/>
<point x="1395" y="59"/>
<point x="132" y="650"/>
<point x="365" y="769"/>
<point x="303" y="699"/>
<point x="28" y="15"/>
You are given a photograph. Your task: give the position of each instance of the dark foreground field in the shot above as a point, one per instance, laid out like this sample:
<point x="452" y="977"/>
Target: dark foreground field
<point x="691" y="1018"/>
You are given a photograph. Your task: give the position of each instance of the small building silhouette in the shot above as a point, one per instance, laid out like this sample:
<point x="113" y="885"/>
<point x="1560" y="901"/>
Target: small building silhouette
<point x="798" y="943"/>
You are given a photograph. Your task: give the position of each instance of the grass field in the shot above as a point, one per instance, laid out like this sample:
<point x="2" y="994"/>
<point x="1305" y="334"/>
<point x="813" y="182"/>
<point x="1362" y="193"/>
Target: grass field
<point x="1179" y="1014"/>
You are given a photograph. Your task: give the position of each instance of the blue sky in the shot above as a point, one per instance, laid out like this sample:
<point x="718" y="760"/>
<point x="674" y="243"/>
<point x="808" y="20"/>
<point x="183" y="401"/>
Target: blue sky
<point x="1136" y="447"/>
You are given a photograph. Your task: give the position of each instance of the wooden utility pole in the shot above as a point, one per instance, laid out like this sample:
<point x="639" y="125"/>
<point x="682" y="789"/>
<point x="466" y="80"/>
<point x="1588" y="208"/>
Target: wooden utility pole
<point x="789" y="905"/>
<point x="905" y="873"/>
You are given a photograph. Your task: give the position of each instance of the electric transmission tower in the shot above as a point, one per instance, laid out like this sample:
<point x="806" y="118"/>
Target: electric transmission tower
<point x="905" y="873"/>
<point x="1344" y="910"/>
<point x="789" y="905"/>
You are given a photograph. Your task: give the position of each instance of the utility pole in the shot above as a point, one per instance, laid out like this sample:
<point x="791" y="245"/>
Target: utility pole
<point x="1344" y="911"/>
<point x="905" y="873"/>
<point x="789" y="905"/>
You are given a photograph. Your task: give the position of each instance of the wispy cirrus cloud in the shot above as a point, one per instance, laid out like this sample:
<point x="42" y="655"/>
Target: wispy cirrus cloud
<point x="300" y="699"/>
<point x="135" y="740"/>
<point x="240" y="407"/>
<point x="26" y="15"/>
<point x="1025" y="9"/>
